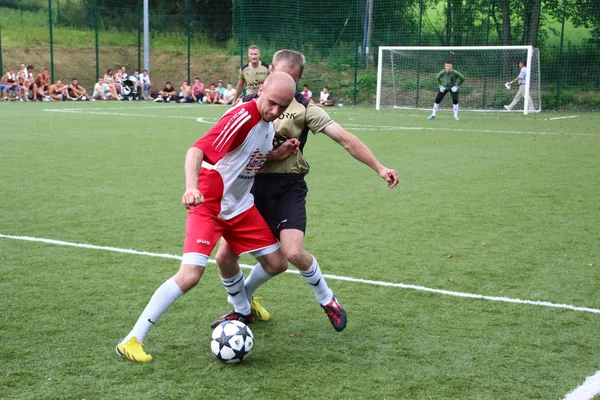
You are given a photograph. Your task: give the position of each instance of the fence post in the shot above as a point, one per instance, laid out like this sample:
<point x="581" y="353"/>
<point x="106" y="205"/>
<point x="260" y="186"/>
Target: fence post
<point x="1" y="49"/>
<point x="139" y="29"/>
<point x="419" y="60"/>
<point x="95" y="19"/>
<point x="356" y="33"/>
<point x="242" y="26"/>
<point x="51" y="41"/>
<point x="189" y="36"/>
<point x="487" y="43"/>
<point x="560" y="56"/>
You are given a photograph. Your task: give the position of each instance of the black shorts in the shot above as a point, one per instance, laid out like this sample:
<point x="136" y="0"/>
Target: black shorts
<point x="281" y="200"/>
<point x="440" y="96"/>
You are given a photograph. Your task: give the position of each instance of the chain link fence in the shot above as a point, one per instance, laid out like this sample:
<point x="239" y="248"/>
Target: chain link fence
<point x="209" y="38"/>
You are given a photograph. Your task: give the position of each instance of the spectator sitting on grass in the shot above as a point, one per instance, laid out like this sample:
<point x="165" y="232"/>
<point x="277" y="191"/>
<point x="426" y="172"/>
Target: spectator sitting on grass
<point x="109" y="79"/>
<point x="220" y="88"/>
<point x="324" y="100"/>
<point x="146" y="84"/>
<point x="25" y="80"/>
<point x="76" y="92"/>
<point x="198" y="90"/>
<point x="42" y="81"/>
<point x="103" y="92"/>
<point x="187" y="96"/>
<point x="9" y="84"/>
<point x="229" y="94"/>
<point x="212" y="95"/>
<point x="56" y="91"/>
<point x="306" y="93"/>
<point x="167" y="95"/>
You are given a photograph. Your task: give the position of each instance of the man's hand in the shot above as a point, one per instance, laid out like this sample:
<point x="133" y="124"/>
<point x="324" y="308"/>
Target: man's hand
<point x="192" y="197"/>
<point x="454" y="88"/>
<point x="289" y="147"/>
<point x="442" y="89"/>
<point x="286" y="149"/>
<point x="390" y="176"/>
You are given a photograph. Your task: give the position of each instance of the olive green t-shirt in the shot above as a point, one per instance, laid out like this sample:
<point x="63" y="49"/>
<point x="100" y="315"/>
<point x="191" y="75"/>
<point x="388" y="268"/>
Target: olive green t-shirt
<point x="254" y="76"/>
<point x="299" y="118"/>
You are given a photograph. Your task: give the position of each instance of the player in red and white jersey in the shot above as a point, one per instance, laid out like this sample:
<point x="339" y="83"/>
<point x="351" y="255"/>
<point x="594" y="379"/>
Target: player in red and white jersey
<point x="219" y="173"/>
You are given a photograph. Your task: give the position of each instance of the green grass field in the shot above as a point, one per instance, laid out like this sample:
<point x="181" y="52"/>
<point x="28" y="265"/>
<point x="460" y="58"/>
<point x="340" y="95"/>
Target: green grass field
<point x="499" y="205"/>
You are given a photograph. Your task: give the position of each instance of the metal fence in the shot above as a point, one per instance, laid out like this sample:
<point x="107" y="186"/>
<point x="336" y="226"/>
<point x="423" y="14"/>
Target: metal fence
<point x="209" y="38"/>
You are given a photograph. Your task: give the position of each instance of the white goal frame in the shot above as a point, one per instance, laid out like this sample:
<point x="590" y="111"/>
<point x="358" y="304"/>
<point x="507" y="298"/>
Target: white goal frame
<point x="529" y="49"/>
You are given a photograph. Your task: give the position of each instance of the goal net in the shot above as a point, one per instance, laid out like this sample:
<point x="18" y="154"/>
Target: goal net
<point x="406" y="77"/>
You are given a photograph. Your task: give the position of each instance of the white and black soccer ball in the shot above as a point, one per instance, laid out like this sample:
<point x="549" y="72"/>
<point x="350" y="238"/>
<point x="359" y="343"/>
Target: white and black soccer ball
<point x="232" y="341"/>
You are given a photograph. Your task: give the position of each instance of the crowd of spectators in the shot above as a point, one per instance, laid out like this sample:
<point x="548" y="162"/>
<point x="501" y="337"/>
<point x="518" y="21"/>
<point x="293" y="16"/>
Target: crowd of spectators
<point x="24" y="85"/>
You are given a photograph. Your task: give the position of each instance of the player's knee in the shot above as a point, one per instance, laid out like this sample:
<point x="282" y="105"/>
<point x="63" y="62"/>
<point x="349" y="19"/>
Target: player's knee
<point x="226" y="258"/>
<point x="294" y="255"/>
<point x="274" y="263"/>
<point x="188" y="276"/>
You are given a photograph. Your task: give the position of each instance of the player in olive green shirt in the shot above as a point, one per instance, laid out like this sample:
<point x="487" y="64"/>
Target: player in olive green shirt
<point x="252" y="75"/>
<point x="449" y="81"/>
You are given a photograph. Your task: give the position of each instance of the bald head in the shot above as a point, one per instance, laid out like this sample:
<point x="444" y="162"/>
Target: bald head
<point x="277" y="94"/>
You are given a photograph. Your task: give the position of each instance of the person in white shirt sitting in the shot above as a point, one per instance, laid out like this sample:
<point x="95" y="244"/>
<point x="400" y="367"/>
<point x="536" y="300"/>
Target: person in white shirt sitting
<point x="324" y="100"/>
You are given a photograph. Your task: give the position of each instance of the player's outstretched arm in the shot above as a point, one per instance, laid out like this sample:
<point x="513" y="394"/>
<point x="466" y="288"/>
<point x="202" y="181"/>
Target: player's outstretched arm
<point x="360" y="151"/>
<point x="193" y="162"/>
<point x="238" y="91"/>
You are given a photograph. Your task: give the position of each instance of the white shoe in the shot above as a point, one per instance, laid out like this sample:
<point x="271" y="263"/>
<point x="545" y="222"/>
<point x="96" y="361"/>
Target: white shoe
<point x="507" y="108"/>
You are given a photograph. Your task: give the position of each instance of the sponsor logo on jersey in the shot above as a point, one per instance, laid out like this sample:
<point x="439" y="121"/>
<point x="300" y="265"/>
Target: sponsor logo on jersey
<point x="288" y="116"/>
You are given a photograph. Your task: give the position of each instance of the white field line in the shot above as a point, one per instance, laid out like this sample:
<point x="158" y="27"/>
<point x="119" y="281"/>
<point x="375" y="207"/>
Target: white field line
<point x="154" y="107"/>
<point x="555" y="118"/>
<point x="328" y="276"/>
<point x="118" y="114"/>
<point x="358" y="127"/>
<point x="354" y="127"/>
<point x="587" y="390"/>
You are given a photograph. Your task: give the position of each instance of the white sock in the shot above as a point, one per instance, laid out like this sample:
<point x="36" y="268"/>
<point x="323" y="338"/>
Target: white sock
<point x="161" y="300"/>
<point x="237" y="293"/>
<point x="436" y="106"/>
<point x="315" y="279"/>
<point x="455" y="110"/>
<point x="257" y="277"/>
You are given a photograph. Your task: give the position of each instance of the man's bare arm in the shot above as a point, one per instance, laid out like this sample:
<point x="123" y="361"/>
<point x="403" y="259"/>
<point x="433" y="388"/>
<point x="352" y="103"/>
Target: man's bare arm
<point x="360" y="151"/>
<point x="193" y="163"/>
<point x="238" y="90"/>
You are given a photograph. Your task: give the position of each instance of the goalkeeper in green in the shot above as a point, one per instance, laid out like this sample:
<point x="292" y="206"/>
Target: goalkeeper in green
<point x="449" y="81"/>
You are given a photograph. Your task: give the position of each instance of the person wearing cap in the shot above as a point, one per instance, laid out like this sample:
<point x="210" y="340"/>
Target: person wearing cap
<point x="220" y="88"/>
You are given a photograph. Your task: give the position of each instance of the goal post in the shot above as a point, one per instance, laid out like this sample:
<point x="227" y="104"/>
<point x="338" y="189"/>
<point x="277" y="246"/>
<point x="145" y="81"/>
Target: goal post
<point x="406" y="77"/>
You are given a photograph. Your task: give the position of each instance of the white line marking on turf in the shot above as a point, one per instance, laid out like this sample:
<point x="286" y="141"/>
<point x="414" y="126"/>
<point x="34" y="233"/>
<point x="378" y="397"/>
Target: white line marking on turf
<point x="154" y="107"/>
<point x="555" y="118"/>
<point x="328" y="276"/>
<point x="587" y="390"/>
<point x="357" y="127"/>
<point x="205" y="120"/>
<point x="84" y="111"/>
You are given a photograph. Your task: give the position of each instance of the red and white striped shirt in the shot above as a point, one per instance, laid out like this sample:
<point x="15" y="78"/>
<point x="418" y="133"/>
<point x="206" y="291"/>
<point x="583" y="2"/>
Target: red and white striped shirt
<point x="234" y="150"/>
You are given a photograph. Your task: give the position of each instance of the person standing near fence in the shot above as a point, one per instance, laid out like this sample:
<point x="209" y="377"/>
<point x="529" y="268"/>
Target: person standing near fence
<point x="252" y="75"/>
<point x="522" y="79"/>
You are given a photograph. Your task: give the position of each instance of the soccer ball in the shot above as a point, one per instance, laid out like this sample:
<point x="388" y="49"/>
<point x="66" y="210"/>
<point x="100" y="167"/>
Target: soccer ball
<point x="231" y="342"/>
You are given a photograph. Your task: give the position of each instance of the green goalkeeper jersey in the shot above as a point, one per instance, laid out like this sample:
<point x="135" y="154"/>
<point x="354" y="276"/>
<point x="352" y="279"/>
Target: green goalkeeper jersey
<point x="451" y="79"/>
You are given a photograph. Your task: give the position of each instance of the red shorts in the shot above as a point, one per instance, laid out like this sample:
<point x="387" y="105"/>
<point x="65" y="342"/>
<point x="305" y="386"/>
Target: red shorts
<point x="246" y="233"/>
